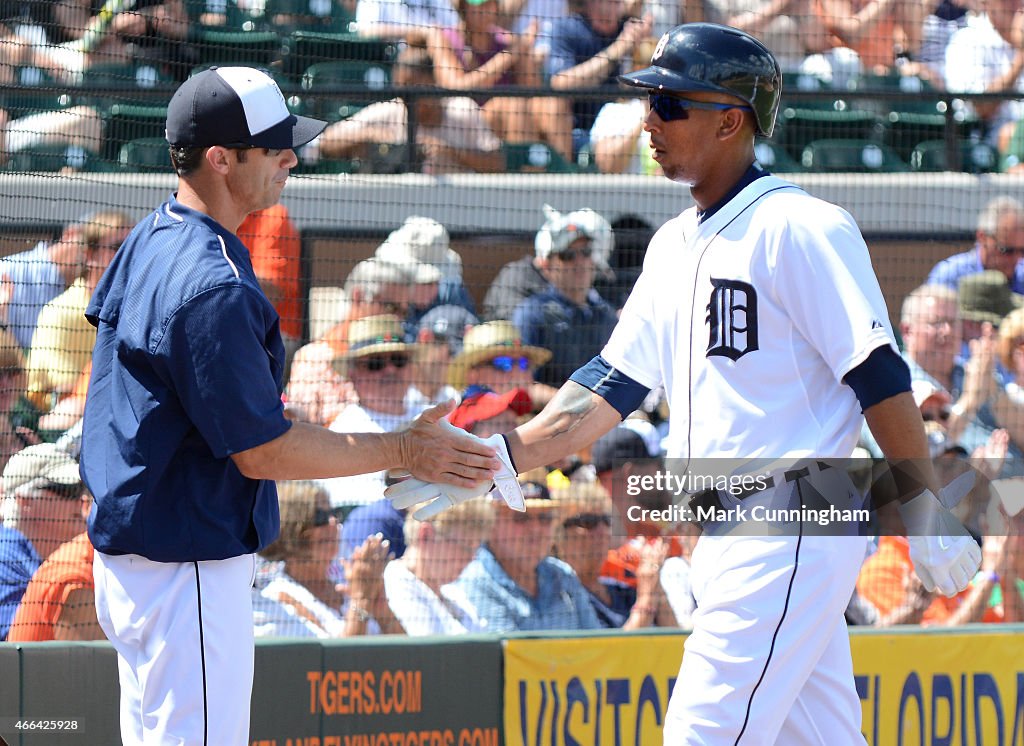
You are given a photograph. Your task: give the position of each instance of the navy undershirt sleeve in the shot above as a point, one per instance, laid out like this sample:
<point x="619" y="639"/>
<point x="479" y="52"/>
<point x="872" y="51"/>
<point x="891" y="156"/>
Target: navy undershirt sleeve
<point x="614" y="386"/>
<point x="882" y="375"/>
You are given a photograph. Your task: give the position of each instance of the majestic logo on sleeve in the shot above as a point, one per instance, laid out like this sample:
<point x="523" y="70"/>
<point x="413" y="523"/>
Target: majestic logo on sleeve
<point x="732" y="318"/>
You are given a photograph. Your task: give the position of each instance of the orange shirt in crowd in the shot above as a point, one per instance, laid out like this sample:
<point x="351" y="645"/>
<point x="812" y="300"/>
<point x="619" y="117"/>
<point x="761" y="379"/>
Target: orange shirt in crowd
<point x="622" y="561"/>
<point x="882" y="583"/>
<point x="276" y="251"/>
<point x="68" y="569"/>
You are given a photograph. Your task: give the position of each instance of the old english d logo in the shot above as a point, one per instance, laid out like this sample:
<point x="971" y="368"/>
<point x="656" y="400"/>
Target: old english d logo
<point x="732" y="318"/>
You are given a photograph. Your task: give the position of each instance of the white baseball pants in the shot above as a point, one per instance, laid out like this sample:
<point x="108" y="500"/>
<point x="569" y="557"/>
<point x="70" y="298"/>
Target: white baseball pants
<point x="184" y="639"/>
<point x="768" y="661"/>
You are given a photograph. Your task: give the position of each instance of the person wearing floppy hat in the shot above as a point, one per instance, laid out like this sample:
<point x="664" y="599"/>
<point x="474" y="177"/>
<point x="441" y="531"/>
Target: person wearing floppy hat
<point x="423" y="239"/>
<point x="494" y="356"/>
<point x="184" y="429"/>
<point x="985" y="297"/>
<point x="378" y="362"/>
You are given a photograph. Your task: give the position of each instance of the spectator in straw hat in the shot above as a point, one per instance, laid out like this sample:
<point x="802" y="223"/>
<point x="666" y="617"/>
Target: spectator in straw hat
<point x="378" y="362"/>
<point x="316" y="391"/>
<point x="493" y="356"/>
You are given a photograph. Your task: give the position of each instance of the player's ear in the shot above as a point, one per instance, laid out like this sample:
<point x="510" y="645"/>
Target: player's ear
<point x="733" y="122"/>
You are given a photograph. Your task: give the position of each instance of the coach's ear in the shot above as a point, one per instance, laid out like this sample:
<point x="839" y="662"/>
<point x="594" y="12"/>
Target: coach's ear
<point x="219" y="158"/>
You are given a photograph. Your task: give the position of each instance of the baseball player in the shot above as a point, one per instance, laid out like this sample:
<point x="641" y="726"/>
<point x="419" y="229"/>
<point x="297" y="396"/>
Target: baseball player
<point x="758" y="312"/>
<point x="184" y="425"/>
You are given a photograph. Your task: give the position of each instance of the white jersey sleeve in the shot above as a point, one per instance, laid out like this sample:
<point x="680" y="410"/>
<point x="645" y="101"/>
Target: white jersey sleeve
<point x="821" y="274"/>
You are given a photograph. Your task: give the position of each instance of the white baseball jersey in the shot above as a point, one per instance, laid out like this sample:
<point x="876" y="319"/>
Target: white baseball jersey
<point x="750" y="320"/>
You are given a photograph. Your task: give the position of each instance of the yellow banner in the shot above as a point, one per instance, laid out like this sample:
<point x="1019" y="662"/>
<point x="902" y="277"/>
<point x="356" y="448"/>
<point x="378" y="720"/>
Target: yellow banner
<point x="927" y="689"/>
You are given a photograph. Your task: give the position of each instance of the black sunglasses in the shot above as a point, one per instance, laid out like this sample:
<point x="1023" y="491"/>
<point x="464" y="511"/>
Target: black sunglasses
<point x="569" y="255"/>
<point x="540" y="516"/>
<point x="1004" y="250"/>
<point x="671" y="108"/>
<point x="377" y="363"/>
<point x="322" y="517"/>
<point x="588" y="521"/>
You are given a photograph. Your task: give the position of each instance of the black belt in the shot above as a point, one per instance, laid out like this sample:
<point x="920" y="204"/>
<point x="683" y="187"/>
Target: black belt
<point x="711" y="499"/>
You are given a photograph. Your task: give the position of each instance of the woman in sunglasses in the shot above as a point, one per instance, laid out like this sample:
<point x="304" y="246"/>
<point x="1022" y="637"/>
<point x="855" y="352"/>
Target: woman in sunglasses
<point x="583" y="536"/>
<point x="293" y="595"/>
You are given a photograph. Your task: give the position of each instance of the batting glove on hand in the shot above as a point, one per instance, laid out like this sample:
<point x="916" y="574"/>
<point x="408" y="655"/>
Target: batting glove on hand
<point x="414" y="491"/>
<point x="945" y="556"/>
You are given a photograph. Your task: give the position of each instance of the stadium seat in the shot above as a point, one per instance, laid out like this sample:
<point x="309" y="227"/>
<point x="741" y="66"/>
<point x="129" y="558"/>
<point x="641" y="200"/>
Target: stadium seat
<point x="774" y="157"/>
<point x="974" y="157"/>
<point x="124" y="122"/>
<point x="916" y="115"/>
<point x="232" y="17"/>
<point x="852" y="156"/>
<point x="327" y="16"/>
<point x="107" y="84"/>
<point x="836" y="121"/>
<point x="301" y="50"/>
<point x="55" y="159"/>
<point x="254" y="48"/>
<point x="35" y="91"/>
<point x="534" y="157"/>
<point x="147" y="154"/>
<point x="355" y="74"/>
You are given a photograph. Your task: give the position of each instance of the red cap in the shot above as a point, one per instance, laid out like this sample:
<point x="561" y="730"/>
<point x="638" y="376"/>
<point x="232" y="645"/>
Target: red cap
<point x="488" y="404"/>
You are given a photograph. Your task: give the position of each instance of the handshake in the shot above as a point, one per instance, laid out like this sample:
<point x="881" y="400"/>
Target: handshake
<point x="439" y="497"/>
<point x="945" y="556"/>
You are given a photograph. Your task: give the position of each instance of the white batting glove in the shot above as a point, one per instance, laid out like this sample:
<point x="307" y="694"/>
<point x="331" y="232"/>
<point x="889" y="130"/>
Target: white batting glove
<point x="442" y="496"/>
<point x="439" y="497"/>
<point x="944" y="554"/>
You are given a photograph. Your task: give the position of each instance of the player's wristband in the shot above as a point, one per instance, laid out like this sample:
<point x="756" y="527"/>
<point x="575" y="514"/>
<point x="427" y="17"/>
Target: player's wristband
<point x="508" y="450"/>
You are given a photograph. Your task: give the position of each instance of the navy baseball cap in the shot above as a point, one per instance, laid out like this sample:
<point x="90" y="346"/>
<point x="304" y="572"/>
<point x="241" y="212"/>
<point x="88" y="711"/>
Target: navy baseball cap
<point x="235" y="106"/>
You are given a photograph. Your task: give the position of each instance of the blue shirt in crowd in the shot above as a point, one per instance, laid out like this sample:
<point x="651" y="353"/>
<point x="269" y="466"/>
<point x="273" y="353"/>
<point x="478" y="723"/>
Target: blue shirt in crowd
<point x="574" y="334"/>
<point x="573" y="42"/>
<point x="18" y="563"/>
<point x="35" y="281"/>
<point x="561" y="602"/>
<point x="187" y="370"/>
<point x="949" y="271"/>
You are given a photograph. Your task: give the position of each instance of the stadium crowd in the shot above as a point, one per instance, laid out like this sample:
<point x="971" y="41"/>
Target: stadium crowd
<point x="409" y="334"/>
<point x="494" y="80"/>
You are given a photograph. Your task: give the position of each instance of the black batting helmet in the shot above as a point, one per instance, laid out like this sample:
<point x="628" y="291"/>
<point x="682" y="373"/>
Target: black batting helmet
<point x="710" y="57"/>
